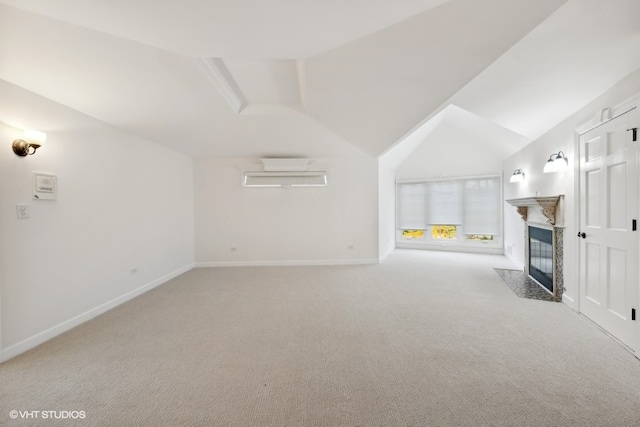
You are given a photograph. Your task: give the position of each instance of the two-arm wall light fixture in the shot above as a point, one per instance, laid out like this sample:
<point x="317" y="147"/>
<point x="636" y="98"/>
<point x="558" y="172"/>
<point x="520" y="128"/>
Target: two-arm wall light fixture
<point x="31" y="140"/>
<point x="556" y="162"/>
<point x="518" y="176"/>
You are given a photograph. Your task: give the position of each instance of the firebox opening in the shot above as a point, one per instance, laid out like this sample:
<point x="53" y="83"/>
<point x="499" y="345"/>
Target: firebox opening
<point x="541" y="256"/>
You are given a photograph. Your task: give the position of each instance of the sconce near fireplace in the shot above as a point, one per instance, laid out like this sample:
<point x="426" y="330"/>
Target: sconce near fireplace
<point x="27" y="145"/>
<point x="556" y="162"/>
<point x="518" y="176"/>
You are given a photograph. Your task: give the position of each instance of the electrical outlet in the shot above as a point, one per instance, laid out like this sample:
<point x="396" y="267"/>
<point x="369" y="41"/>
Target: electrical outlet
<point x="23" y="211"/>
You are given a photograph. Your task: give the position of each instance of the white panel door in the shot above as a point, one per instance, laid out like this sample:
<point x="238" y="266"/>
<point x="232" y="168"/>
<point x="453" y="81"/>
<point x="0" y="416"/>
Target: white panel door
<point x="609" y="286"/>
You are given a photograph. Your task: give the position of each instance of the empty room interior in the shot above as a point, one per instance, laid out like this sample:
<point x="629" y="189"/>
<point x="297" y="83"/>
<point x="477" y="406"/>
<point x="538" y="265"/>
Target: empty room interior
<point x="353" y="213"/>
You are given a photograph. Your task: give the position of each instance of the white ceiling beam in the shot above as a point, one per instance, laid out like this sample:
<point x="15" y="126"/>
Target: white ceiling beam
<point x="218" y="74"/>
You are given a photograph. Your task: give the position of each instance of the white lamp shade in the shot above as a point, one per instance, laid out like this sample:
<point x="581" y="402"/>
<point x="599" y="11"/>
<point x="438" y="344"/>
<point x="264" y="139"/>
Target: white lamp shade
<point x="550" y="167"/>
<point x="560" y="162"/>
<point x="518" y="176"/>
<point x="34" y="137"/>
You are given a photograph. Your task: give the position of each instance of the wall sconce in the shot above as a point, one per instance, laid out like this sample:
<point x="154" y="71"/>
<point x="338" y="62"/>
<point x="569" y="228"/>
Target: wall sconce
<point x="556" y="162"/>
<point x="518" y="176"/>
<point x="30" y="142"/>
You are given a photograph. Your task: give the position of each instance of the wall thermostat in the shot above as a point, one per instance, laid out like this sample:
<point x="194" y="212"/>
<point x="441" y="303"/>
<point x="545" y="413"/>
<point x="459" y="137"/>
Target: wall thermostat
<point x="45" y="186"/>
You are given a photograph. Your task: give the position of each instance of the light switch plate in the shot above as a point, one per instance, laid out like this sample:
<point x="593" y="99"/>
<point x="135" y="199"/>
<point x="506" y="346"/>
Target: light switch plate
<point x="23" y="211"/>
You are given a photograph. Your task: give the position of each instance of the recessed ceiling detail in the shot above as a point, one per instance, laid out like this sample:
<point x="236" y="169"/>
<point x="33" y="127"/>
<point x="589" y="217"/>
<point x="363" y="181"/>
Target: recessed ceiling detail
<point x="346" y="78"/>
<point x="256" y="87"/>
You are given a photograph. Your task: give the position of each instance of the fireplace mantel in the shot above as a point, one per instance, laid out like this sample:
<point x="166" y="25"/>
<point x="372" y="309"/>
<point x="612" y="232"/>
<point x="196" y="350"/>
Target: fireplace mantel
<point x="552" y="207"/>
<point x="548" y="206"/>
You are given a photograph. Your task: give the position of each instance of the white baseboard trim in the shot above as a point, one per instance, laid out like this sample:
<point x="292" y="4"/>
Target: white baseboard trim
<point x="286" y="263"/>
<point x="516" y="262"/>
<point x="569" y="302"/>
<point x="385" y="255"/>
<point x="39" y="338"/>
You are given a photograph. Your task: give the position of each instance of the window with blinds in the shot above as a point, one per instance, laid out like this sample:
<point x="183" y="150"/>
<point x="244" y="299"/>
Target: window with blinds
<point x="412" y="211"/>
<point x="450" y="208"/>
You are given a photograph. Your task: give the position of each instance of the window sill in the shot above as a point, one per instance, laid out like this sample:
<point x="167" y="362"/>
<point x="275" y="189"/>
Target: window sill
<point x="493" y="247"/>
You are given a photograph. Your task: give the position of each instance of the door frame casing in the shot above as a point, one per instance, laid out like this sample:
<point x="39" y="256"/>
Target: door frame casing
<point x="600" y="118"/>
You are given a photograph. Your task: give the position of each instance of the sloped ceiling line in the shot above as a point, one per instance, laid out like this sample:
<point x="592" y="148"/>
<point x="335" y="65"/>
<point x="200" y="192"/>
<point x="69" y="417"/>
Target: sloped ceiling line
<point x="223" y="80"/>
<point x="218" y="74"/>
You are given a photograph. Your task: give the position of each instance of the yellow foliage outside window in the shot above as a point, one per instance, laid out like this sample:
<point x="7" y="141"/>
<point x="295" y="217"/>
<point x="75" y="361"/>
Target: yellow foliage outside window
<point x="444" y="231"/>
<point x="481" y="237"/>
<point x="413" y="234"/>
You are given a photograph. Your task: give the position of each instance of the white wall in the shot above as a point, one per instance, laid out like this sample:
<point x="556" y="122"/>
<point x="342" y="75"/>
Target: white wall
<point x="443" y="154"/>
<point x="262" y="226"/>
<point x="386" y="208"/>
<point x="531" y="160"/>
<point x="122" y="222"/>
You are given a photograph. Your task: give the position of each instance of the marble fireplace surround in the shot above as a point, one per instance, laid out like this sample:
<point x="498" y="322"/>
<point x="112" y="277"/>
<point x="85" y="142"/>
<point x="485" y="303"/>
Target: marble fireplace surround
<point x="544" y="212"/>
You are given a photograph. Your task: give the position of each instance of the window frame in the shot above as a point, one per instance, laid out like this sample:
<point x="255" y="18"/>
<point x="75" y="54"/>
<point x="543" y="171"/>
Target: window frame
<point x="461" y="241"/>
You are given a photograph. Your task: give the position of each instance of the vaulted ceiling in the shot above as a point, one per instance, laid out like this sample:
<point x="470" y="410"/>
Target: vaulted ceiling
<point x="251" y="78"/>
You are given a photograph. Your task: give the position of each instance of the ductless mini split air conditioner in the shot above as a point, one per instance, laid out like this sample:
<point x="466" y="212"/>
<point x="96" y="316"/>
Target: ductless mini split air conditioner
<point x="284" y="173"/>
<point x="284" y="179"/>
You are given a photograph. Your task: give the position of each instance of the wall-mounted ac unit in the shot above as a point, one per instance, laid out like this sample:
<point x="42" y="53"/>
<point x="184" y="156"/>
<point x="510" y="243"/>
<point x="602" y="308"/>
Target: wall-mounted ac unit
<point x="284" y="172"/>
<point x="284" y="179"/>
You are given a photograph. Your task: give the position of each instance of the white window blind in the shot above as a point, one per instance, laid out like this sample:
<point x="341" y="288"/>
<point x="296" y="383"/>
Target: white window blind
<point x="482" y="206"/>
<point x="473" y="203"/>
<point x="445" y="202"/>
<point x="412" y="206"/>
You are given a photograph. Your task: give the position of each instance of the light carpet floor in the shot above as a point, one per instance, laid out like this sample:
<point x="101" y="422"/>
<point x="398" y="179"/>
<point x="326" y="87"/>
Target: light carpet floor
<point x="424" y="339"/>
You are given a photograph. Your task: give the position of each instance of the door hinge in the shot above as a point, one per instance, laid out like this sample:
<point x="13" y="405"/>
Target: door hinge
<point x="634" y="225"/>
<point x="633" y="314"/>
<point x="635" y="133"/>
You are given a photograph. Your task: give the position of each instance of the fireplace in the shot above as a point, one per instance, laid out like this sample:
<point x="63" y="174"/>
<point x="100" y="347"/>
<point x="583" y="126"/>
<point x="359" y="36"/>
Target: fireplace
<point x="541" y="256"/>
<point x="544" y="240"/>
